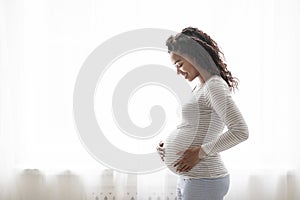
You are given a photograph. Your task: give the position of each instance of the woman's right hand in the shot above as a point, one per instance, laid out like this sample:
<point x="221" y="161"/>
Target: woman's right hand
<point x="161" y="150"/>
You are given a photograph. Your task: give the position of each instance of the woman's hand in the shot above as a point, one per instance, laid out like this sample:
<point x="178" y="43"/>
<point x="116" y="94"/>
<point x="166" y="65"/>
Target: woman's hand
<point x="189" y="160"/>
<point x="161" y="150"/>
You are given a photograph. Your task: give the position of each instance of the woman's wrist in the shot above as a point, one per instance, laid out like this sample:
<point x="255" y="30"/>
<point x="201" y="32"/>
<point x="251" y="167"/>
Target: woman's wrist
<point x="202" y="153"/>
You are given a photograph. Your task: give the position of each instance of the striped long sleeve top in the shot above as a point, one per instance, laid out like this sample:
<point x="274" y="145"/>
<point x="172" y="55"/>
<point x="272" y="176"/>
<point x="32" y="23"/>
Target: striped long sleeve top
<point x="205" y="116"/>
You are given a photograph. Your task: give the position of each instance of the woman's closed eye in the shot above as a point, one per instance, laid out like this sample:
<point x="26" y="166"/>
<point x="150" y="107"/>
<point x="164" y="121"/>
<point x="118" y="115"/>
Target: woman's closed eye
<point x="179" y="65"/>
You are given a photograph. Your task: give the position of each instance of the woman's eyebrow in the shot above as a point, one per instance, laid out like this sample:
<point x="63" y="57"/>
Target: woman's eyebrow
<point x="176" y="61"/>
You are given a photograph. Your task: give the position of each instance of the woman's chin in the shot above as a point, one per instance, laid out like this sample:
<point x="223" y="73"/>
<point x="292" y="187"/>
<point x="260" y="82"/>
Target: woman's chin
<point x="189" y="78"/>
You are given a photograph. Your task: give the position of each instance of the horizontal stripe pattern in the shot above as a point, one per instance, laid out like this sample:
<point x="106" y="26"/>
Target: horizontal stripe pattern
<point x="204" y="119"/>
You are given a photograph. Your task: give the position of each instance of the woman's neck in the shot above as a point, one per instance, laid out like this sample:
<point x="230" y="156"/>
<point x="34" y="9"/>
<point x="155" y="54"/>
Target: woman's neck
<point x="203" y="77"/>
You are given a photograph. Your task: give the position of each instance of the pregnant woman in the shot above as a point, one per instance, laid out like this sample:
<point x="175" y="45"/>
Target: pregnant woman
<point x="192" y="149"/>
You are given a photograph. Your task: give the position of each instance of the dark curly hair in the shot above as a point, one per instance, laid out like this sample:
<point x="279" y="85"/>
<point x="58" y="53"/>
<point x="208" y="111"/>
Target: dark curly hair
<point x="211" y="48"/>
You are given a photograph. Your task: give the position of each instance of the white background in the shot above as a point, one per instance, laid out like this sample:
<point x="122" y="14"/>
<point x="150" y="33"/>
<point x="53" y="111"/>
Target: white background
<point x="44" y="43"/>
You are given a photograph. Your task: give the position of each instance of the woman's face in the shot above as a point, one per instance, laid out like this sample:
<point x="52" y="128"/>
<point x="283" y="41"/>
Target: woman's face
<point x="184" y="67"/>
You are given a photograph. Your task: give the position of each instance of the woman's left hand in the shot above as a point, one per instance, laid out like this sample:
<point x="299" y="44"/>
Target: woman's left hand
<point x="189" y="160"/>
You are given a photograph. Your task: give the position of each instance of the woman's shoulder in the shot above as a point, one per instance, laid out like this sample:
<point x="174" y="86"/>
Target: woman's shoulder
<point x="216" y="82"/>
<point x="216" y="90"/>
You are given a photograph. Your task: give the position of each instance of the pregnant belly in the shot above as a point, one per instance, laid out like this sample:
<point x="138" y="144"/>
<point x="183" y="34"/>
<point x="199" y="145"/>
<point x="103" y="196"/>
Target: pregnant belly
<point x="178" y="140"/>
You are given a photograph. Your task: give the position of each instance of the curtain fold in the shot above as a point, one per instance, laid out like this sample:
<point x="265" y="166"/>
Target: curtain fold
<point x="33" y="184"/>
<point x="10" y="46"/>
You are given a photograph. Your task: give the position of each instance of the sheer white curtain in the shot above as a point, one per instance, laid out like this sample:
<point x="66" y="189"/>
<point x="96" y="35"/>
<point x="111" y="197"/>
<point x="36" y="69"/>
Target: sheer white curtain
<point x="43" y="45"/>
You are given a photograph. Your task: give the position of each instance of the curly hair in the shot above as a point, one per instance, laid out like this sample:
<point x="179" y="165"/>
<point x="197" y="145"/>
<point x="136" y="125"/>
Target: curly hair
<point x="212" y="49"/>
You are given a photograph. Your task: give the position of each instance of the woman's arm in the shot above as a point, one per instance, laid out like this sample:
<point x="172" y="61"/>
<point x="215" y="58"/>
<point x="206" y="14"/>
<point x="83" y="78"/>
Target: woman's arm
<point x="219" y="98"/>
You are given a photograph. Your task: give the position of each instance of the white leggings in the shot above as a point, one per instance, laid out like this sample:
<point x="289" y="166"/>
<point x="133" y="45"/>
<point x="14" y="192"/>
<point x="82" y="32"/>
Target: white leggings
<point x="202" y="188"/>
